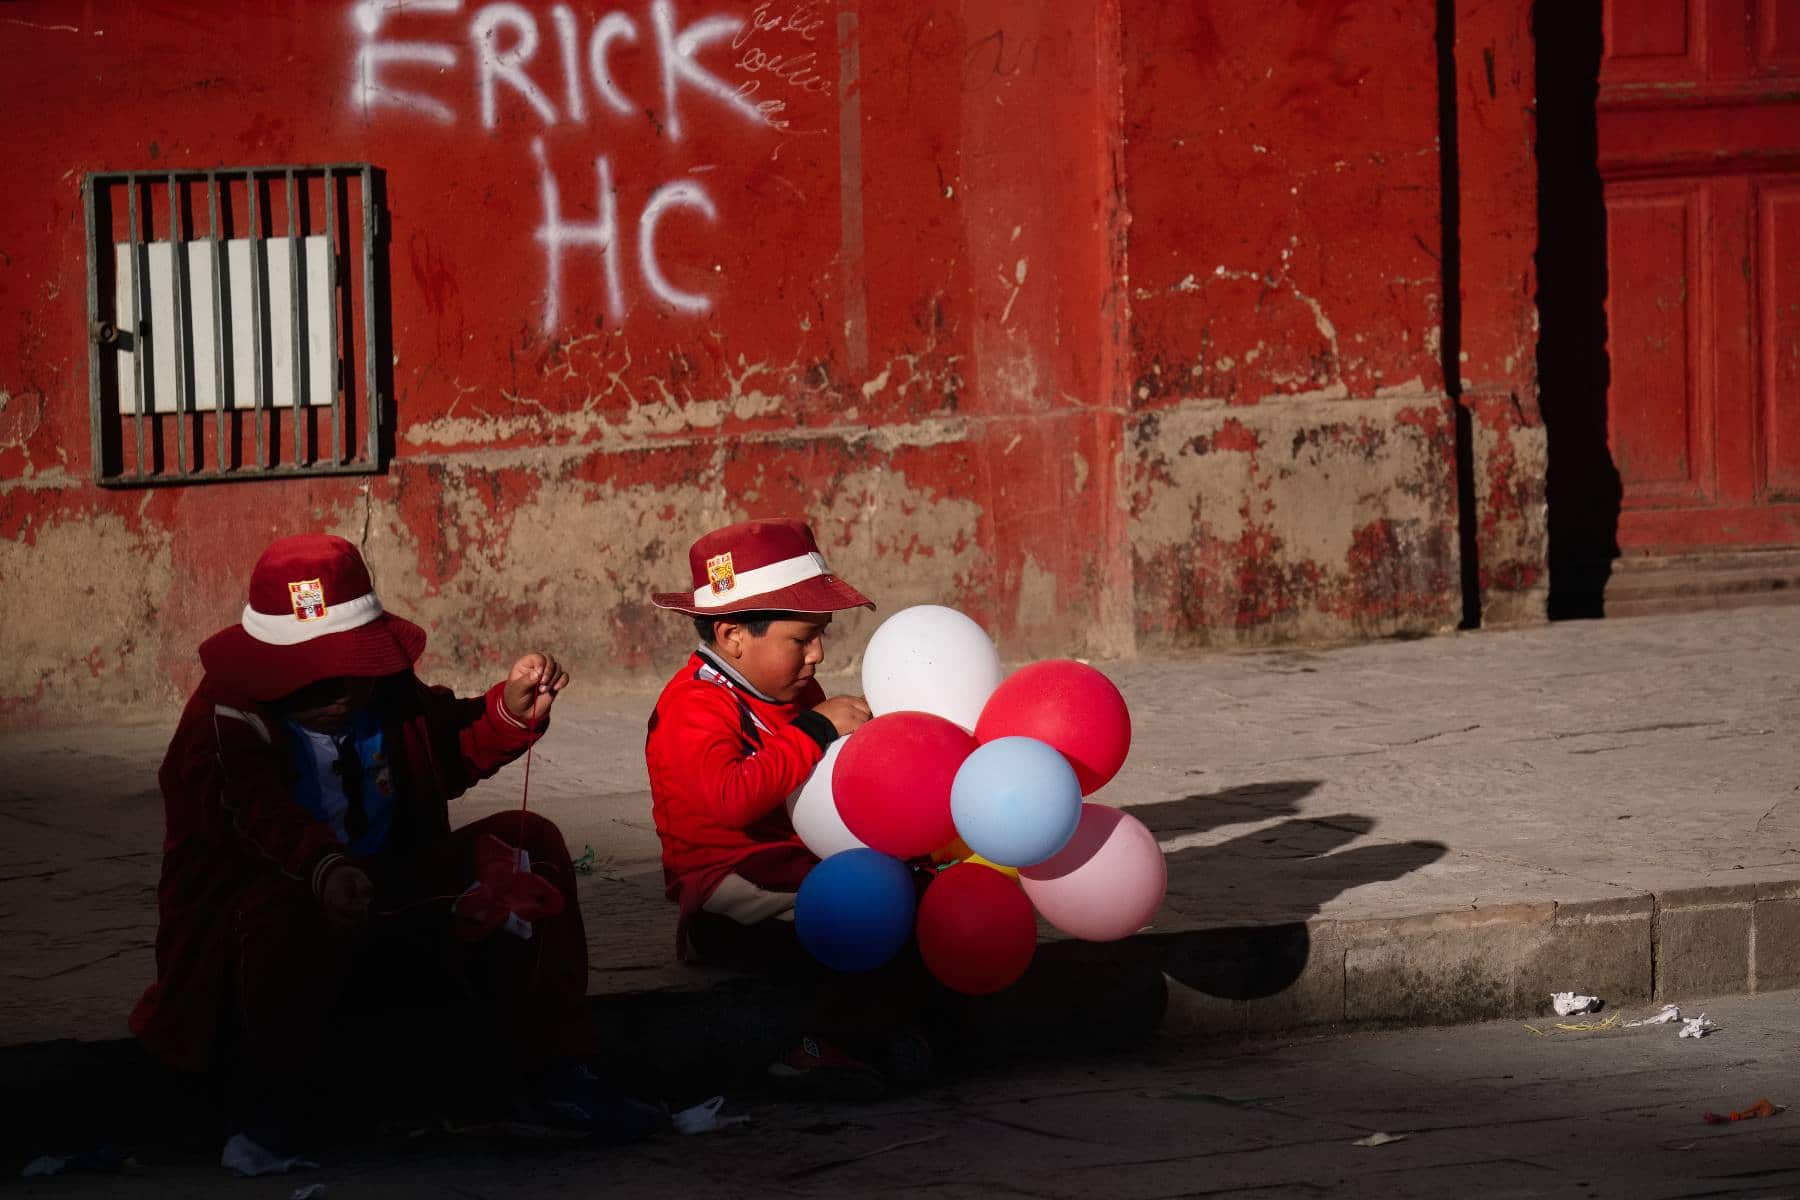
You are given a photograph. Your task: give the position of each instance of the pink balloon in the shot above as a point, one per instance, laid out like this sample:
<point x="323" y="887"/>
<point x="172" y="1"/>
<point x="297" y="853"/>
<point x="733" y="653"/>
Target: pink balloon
<point x="1106" y="883"/>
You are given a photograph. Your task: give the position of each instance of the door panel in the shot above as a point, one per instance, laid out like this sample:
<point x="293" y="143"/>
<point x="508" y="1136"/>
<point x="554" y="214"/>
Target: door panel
<point x="1699" y="154"/>
<point x="1654" y="42"/>
<point x="1777" y="42"/>
<point x="1659" y="407"/>
<point x="1778" y="349"/>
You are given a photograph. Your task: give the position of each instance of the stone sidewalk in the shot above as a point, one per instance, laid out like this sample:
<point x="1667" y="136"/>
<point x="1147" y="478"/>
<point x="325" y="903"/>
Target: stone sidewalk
<point x="1431" y="830"/>
<point x="1492" y="1110"/>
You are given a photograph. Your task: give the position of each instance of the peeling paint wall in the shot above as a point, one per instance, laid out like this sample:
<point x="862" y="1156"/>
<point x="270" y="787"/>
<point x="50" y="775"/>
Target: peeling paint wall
<point x="82" y="595"/>
<point x="1113" y="325"/>
<point x="1293" y="472"/>
<point x="1307" y="520"/>
<point x="1496" y="106"/>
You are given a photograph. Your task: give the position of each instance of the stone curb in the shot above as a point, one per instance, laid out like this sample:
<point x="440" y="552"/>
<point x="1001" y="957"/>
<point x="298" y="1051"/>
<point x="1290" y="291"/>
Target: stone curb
<point x="1483" y="964"/>
<point x="1433" y="968"/>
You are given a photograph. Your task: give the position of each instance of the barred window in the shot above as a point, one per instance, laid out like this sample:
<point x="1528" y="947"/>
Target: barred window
<point x="235" y="323"/>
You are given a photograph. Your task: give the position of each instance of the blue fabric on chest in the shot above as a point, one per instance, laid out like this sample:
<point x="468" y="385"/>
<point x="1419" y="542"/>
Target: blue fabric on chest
<point x="345" y="780"/>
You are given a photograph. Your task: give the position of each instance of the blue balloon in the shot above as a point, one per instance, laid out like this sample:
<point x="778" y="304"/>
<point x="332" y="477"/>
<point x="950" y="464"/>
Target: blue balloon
<point x="855" y="910"/>
<point x="1016" y="801"/>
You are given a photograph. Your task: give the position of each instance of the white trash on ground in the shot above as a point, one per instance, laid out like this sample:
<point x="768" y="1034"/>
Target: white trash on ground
<point x="1696" y="1027"/>
<point x="1567" y="1004"/>
<point x="244" y="1157"/>
<point x="704" y="1117"/>
<point x="1670" y="1012"/>
<point x="1379" y="1139"/>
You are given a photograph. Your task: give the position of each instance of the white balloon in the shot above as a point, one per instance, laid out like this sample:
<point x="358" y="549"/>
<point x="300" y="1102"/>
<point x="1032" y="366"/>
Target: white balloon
<point x="931" y="659"/>
<point x="813" y="810"/>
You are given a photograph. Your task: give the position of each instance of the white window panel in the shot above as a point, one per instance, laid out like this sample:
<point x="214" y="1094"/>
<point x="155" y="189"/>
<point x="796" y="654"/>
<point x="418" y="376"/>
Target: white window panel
<point x="199" y="325"/>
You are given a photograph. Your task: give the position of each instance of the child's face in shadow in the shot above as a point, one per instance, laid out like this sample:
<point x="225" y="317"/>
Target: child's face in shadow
<point x="327" y="705"/>
<point x="782" y="661"/>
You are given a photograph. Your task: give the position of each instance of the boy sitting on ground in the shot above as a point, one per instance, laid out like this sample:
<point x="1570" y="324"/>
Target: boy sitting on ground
<point x="310" y="869"/>
<point x="741" y="725"/>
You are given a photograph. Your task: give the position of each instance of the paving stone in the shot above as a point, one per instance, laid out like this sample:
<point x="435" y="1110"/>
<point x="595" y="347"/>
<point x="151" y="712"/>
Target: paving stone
<point x="1601" y="948"/>
<point x="1777" y="933"/>
<point x="1445" y="967"/>
<point x="1701" y="950"/>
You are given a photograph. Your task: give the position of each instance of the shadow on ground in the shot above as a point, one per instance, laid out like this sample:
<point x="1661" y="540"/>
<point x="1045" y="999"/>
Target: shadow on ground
<point x="1241" y="906"/>
<point x="1234" y="927"/>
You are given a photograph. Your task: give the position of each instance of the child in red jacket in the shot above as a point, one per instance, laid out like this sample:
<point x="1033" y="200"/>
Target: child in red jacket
<point x="310" y="868"/>
<point x="737" y="730"/>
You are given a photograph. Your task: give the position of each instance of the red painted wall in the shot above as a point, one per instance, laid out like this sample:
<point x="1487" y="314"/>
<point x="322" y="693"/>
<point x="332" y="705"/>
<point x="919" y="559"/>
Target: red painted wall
<point x="1113" y="324"/>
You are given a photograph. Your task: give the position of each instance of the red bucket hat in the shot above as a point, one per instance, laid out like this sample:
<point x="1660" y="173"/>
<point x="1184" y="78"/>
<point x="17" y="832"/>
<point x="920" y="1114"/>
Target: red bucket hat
<point x="760" y="566"/>
<point x="312" y="615"/>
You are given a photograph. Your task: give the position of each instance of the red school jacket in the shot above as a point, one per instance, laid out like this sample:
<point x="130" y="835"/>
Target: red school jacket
<point x="235" y="834"/>
<point x="723" y="761"/>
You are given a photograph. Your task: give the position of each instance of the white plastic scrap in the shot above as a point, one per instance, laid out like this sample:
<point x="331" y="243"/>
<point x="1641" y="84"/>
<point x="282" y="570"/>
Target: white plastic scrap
<point x="244" y="1157"/>
<point x="103" y="1159"/>
<point x="1696" y="1027"/>
<point x="704" y="1117"/>
<point x="1567" y="1004"/>
<point x="1379" y="1139"/>
<point x="1670" y="1012"/>
<point x="312" y="1191"/>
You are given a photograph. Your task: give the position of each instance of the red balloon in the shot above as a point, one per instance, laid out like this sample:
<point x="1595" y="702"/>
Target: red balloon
<point x="1071" y="706"/>
<point x="892" y="782"/>
<point x="977" y="930"/>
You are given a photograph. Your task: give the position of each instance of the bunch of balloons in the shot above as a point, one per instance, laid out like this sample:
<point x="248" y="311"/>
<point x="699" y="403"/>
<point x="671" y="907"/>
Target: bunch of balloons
<point x="984" y="772"/>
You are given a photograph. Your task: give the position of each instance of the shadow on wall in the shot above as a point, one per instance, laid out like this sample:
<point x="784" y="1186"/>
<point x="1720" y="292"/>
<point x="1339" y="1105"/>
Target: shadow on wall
<point x="1574" y="371"/>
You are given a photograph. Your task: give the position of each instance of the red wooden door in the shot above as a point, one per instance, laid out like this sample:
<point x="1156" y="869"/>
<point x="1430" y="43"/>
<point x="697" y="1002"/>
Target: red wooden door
<point x="1699" y="147"/>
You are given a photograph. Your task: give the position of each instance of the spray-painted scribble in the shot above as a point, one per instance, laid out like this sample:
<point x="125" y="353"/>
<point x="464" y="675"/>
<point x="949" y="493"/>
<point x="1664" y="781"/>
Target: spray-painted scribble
<point x="601" y="234"/>
<point x="371" y="88"/>
<point x="503" y="63"/>
<point x="507" y="47"/>
<point x="681" y="193"/>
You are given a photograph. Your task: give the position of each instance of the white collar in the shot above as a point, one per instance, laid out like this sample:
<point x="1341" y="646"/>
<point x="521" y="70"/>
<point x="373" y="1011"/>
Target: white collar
<point x="731" y="674"/>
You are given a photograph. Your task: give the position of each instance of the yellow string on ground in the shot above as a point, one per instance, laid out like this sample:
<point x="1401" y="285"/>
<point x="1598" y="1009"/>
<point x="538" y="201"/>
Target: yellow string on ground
<point x="1590" y="1026"/>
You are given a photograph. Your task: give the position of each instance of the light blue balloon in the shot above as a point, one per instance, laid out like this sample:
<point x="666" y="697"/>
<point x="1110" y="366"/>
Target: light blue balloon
<point x="1016" y="801"/>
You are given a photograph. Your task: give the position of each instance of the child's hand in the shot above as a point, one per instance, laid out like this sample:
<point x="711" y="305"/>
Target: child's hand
<point x="532" y="686"/>
<point x="846" y="713"/>
<point x="345" y="896"/>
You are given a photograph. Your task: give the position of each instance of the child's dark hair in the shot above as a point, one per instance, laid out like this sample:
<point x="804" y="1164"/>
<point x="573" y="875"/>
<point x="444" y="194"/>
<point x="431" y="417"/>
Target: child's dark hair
<point x="756" y="622"/>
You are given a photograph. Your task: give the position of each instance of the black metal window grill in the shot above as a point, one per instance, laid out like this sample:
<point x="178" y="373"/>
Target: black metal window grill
<point x="233" y="323"/>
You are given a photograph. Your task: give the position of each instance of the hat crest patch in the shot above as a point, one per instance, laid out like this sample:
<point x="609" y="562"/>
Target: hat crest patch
<point x="720" y="574"/>
<point x="308" y="596"/>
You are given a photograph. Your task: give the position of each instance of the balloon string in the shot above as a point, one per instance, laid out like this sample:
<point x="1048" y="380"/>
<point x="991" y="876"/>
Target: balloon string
<point x="525" y="793"/>
<point x="531" y="727"/>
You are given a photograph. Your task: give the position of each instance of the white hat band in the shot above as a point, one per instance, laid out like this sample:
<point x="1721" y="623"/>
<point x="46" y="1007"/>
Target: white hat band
<point x="758" y="580"/>
<point x="287" y="629"/>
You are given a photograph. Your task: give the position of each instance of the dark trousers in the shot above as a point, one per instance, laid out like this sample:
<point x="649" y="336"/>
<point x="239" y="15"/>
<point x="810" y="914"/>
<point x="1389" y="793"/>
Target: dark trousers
<point x="862" y="1012"/>
<point x="303" y="988"/>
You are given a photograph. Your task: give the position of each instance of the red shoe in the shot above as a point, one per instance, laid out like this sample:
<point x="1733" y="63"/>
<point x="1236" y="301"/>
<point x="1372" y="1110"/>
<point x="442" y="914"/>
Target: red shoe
<point x="819" y="1070"/>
